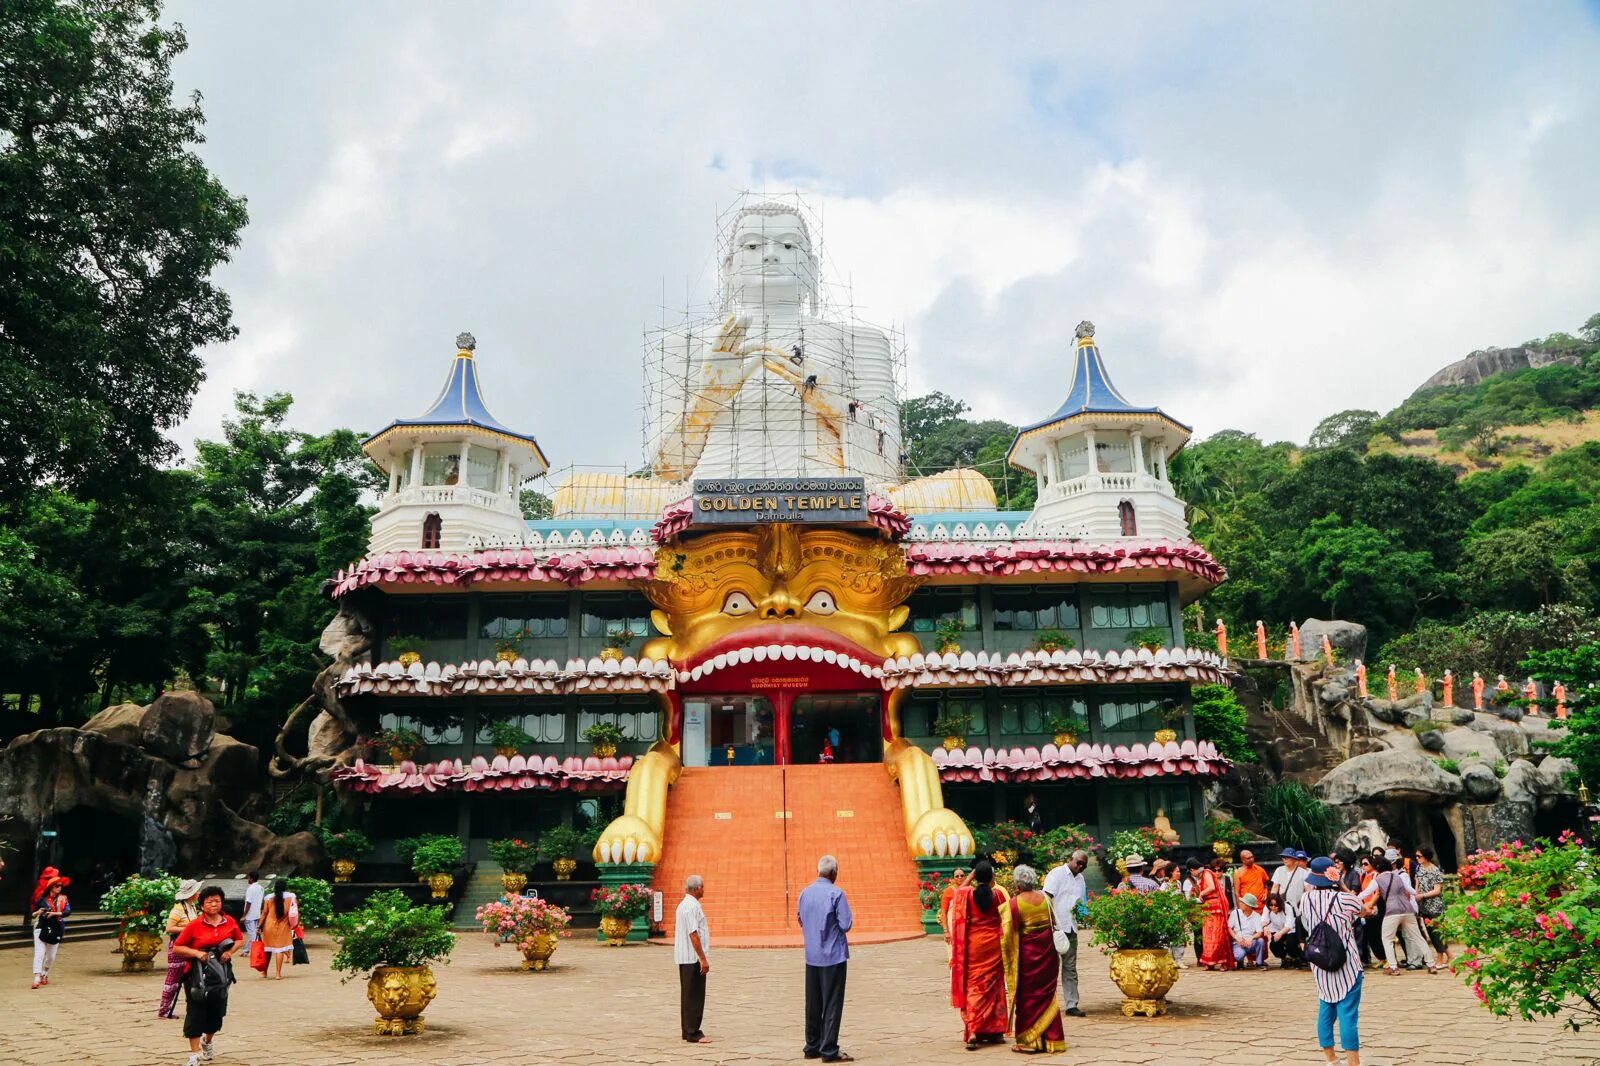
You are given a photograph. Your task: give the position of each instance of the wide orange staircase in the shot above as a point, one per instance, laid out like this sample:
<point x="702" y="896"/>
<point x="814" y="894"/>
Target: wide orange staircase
<point x="755" y="834"/>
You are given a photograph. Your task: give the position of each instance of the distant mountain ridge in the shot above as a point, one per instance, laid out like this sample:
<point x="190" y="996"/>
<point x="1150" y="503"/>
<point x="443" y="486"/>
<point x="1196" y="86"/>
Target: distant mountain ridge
<point x="1488" y="362"/>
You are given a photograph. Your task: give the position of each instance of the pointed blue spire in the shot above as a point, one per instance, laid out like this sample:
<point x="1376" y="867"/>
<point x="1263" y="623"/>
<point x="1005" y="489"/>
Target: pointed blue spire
<point x="460" y="402"/>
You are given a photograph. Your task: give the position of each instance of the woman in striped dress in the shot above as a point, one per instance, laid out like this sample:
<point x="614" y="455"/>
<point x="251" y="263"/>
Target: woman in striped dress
<point x="1338" y="991"/>
<point x="183" y="912"/>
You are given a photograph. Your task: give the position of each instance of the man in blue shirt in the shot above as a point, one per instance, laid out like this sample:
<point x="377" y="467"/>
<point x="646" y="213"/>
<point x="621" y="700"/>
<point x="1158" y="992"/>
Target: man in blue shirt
<point x="825" y="918"/>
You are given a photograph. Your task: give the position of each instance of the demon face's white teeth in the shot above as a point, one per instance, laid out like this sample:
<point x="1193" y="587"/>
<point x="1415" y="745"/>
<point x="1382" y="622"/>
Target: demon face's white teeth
<point x="805" y="653"/>
<point x="746" y="654"/>
<point x="788" y="652"/>
<point x="697" y="673"/>
<point x="720" y="661"/>
<point x="759" y="654"/>
<point x="829" y="655"/>
<point x="774" y="652"/>
<point x="853" y="663"/>
<point x="683" y="676"/>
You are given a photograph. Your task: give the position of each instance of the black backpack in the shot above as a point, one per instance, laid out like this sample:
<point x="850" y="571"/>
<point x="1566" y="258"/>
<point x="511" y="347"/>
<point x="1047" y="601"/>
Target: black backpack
<point x="1324" y="947"/>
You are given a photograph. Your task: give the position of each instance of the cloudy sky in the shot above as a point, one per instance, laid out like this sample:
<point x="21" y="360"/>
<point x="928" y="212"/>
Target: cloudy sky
<point x="1267" y="219"/>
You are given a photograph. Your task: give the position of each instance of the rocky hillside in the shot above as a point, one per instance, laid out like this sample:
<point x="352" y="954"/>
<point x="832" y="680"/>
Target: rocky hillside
<point x="1484" y="364"/>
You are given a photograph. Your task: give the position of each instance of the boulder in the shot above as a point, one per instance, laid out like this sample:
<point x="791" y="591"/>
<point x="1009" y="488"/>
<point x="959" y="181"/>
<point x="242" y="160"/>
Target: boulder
<point x="123" y="723"/>
<point x="1404" y="712"/>
<point x="326" y="737"/>
<point x="1481" y="785"/>
<point x="178" y="727"/>
<point x="1431" y="740"/>
<point x="1362" y="837"/>
<point x="1333" y="692"/>
<point x="1347" y="638"/>
<point x="1462" y="716"/>
<point x="1389" y="776"/>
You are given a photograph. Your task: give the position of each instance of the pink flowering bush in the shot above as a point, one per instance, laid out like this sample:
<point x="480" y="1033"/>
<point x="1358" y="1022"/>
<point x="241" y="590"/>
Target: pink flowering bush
<point x="623" y="901"/>
<point x="1531" y="932"/>
<point x="518" y="919"/>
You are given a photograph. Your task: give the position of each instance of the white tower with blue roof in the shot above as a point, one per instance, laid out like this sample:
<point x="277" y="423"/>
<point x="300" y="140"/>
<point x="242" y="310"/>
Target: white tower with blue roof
<point x="1101" y="461"/>
<point x="454" y="471"/>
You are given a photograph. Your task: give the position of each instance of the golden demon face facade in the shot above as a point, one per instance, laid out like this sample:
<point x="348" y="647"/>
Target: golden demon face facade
<point x="726" y="598"/>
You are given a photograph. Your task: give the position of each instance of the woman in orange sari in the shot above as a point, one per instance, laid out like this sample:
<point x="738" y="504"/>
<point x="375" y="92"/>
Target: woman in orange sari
<point x="977" y="965"/>
<point x="1032" y="967"/>
<point x="1216" y="945"/>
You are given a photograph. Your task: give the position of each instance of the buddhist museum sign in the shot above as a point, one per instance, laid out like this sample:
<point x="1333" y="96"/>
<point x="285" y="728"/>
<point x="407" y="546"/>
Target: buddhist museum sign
<point x="730" y="501"/>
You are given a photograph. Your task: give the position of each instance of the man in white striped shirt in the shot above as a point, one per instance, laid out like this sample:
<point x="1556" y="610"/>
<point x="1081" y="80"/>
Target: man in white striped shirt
<point x="1339" y="991"/>
<point x="691" y="940"/>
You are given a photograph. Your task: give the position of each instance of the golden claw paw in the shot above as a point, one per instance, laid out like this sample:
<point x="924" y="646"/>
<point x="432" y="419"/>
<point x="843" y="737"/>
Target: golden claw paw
<point x="941" y="832"/>
<point x="628" y="839"/>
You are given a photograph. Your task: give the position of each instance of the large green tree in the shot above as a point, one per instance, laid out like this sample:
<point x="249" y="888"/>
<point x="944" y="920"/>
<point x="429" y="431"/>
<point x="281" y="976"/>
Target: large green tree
<point x="110" y="228"/>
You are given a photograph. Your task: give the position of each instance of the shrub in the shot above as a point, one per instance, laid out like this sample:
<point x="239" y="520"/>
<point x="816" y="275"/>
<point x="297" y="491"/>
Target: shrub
<point x="1151" y="637"/>
<point x="518" y="919"/>
<point x="1127" y="921"/>
<point x="142" y="903"/>
<point x="1051" y="640"/>
<point x="406" y="742"/>
<point x="1500" y="768"/>
<point x="623" y="901"/>
<point x="601" y="733"/>
<point x="406" y="847"/>
<point x="1530" y="931"/>
<point x="504" y="734"/>
<point x="1014" y="837"/>
<point x="948" y="632"/>
<point x="953" y="721"/>
<point x="1144" y="842"/>
<point x="930" y="889"/>
<point x="1220" y="718"/>
<point x="1228" y="828"/>
<point x="314" y="898"/>
<point x="1449" y="766"/>
<point x="1055" y="846"/>
<point x="296" y="811"/>
<point x="1056" y="722"/>
<point x="437" y="855"/>
<point x="388" y="931"/>
<point x="1296" y="817"/>
<point x="559" y="842"/>
<point x="345" y="844"/>
<point x="515" y="855"/>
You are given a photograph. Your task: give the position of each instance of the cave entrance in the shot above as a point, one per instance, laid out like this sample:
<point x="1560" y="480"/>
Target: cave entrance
<point x="96" y="848"/>
<point x="1443" y="837"/>
<point x="1551" y="822"/>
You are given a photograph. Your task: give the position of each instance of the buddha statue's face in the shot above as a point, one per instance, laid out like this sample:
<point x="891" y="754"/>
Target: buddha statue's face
<point x="832" y="595"/>
<point x="769" y="261"/>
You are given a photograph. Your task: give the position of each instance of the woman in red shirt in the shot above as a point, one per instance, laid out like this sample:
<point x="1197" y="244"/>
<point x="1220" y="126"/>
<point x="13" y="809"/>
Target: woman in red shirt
<point x="203" y="1017"/>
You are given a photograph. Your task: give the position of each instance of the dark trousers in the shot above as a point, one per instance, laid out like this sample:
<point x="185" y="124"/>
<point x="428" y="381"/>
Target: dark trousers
<point x="1372" y="936"/>
<point x="692" y="999"/>
<point x="1291" y="948"/>
<point x="824" y="1008"/>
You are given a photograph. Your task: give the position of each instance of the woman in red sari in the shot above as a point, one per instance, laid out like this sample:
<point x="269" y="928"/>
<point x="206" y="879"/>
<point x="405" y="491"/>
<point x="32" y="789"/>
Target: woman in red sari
<point x="977" y="964"/>
<point x="1216" y="945"/>
<point x="1032" y="967"/>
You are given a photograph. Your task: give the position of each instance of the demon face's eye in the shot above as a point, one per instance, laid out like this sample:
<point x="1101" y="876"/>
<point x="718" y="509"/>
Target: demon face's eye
<point x="821" y="602"/>
<point x="737" y="604"/>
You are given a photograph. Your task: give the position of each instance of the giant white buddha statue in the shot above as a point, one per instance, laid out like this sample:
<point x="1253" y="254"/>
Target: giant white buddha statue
<point x="771" y="385"/>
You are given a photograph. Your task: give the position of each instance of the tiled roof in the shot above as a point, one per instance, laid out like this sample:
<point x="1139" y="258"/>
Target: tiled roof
<point x="517" y="772"/>
<point x="1085" y="761"/>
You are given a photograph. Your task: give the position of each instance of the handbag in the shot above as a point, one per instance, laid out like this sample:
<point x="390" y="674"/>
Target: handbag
<point x="258" y="956"/>
<point x="300" y="956"/>
<point x="52" y="930"/>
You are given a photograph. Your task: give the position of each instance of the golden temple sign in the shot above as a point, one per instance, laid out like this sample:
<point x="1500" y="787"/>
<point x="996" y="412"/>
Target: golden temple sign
<point x="750" y="501"/>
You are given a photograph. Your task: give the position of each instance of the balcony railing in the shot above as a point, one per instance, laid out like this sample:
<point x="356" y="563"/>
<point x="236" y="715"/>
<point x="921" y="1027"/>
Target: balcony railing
<point x="433" y="495"/>
<point x="1086" y="483"/>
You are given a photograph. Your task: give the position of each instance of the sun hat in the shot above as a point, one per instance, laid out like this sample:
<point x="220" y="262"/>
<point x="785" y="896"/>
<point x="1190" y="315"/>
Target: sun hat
<point x="1288" y="853"/>
<point x="187" y="890"/>
<point x="1249" y="900"/>
<point x="1133" y="859"/>
<point x="1319" y="873"/>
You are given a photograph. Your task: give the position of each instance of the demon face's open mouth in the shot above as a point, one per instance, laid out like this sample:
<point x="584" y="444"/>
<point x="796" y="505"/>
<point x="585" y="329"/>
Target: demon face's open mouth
<point x="781" y="642"/>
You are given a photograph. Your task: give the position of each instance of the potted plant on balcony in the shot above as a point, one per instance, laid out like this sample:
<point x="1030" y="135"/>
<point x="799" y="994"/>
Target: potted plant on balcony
<point x="344" y="848"/>
<point x="617" y="641"/>
<point x="507" y="736"/>
<point x="1065" y="726"/>
<point x="401" y="743"/>
<point x="406" y="649"/>
<point x="435" y="861"/>
<point x="952" y="724"/>
<point x="557" y="845"/>
<point x="947" y="635"/>
<point x="603" y="737"/>
<point x="392" y="942"/>
<point x="508" y="650"/>
<point x="141" y="904"/>
<point x="534" y="925"/>
<point x="1138" y="929"/>
<point x="1051" y="641"/>
<point x="618" y="906"/>
<point x="1150" y="638"/>
<point x="1172" y="712"/>
<point x="517" y="858"/>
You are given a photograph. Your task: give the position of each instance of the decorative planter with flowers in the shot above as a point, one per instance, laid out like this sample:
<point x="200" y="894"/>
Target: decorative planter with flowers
<point x="930" y="890"/>
<point x="344" y="848"/>
<point x="407" y="650"/>
<point x="1138" y="930"/>
<point x="947" y="635"/>
<point x="517" y="858"/>
<point x="1051" y="641"/>
<point x="141" y="904"/>
<point x="617" y="643"/>
<point x="952" y="724"/>
<point x="534" y="926"/>
<point x="392" y="942"/>
<point x="556" y="846"/>
<point x="1067" y="728"/>
<point x="618" y="906"/>
<point x="401" y="743"/>
<point x="507" y="651"/>
<point x="603" y="737"/>
<point x="507" y="737"/>
<point x="1150" y="638"/>
<point x="1144" y="841"/>
<point x="435" y="861"/>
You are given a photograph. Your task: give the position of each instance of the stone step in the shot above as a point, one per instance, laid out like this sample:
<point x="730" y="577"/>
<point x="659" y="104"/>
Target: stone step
<point x="82" y="925"/>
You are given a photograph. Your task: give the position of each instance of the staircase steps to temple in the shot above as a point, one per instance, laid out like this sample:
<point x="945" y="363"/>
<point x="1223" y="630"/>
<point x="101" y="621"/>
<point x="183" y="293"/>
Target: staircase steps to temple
<point x="483" y="887"/>
<point x="728" y="825"/>
<point x="81" y="925"/>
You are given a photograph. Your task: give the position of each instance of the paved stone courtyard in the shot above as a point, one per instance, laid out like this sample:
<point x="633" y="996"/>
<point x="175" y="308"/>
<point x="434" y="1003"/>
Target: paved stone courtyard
<point x="603" y="1006"/>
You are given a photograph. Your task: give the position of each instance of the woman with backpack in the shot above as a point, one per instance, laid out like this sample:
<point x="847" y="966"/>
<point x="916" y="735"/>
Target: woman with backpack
<point x="1329" y="916"/>
<point x="50" y="910"/>
<point x="208" y="943"/>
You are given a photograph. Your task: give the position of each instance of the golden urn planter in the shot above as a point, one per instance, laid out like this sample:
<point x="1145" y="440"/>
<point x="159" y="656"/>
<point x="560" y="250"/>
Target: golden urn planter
<point x="611" y="655"/>
<point x="342" y="869"/>
<point x="513" y="883"/>
<point x="408" y="658"/>
<point x="564" y="868"/>
<point x="1145" y="976"/>
<point x="400" y="994"/>
<point x="1066" y="740"/>
<point x="1166" y="736"/>
<point x="507" y="752"/>
<point x="138" y="949"/>
<point x="1222" y="849"/>
<point x="603" y="751"/>
<point x="615" y="931"/>
<point x="954" y="743"/>
<point x="536" y="956"/>
<point x="439" y="885"/>
<point x="505" y="655"/>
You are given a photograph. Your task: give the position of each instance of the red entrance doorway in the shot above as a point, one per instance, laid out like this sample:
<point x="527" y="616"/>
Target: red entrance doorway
<point x="781" y="728"/>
